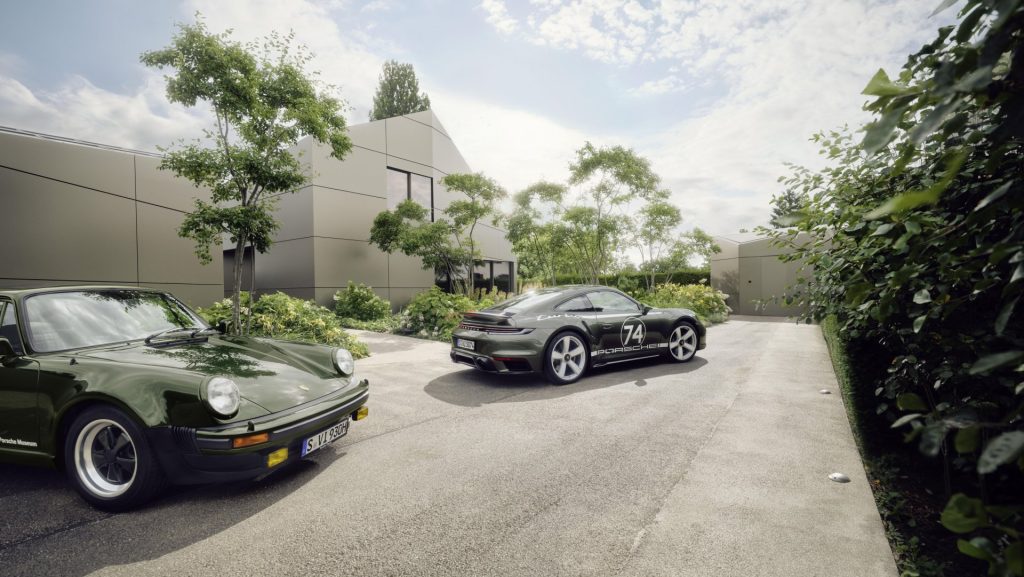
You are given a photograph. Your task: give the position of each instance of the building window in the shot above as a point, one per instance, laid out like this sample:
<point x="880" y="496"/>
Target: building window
<point x="487" y="275"/>
<point x="404" y="185"/>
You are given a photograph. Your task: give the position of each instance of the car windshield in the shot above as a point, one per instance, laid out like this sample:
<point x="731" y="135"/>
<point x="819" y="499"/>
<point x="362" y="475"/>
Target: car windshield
<point x="525" y="301"/>
<point x="72" y="320"/>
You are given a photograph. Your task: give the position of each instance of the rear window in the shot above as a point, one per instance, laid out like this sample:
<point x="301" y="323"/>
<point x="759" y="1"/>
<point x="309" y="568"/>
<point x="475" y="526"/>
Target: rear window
<point x="526" y="301"/>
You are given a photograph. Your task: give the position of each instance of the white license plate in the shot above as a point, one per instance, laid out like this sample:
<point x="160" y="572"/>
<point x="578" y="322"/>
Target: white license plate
<point x="324" y="437"/>
<point x="464" y="344"/>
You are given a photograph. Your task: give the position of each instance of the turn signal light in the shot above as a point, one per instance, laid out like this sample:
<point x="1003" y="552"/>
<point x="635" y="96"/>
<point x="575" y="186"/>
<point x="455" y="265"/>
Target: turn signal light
<point x="361" y="413"/>
<point x="277" y="457"/>
<point x="250" y="440"/>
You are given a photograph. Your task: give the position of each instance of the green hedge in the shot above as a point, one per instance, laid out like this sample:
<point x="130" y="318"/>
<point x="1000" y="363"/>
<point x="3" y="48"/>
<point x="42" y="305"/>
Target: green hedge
<point x="683" y="277"/>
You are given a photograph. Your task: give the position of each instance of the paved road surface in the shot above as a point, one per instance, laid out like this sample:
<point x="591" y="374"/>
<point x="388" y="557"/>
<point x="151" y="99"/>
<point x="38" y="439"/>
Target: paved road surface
<point x="718" y="467"/>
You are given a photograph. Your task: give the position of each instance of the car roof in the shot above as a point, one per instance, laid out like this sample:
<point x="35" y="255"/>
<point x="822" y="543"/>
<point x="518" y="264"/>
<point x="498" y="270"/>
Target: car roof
<point x="17" y="294"/>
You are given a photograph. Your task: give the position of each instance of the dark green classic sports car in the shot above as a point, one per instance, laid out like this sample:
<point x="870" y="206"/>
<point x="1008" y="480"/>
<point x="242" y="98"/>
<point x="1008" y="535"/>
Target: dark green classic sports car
<point x="127" y="389"/>
<point x="562" y="331"/>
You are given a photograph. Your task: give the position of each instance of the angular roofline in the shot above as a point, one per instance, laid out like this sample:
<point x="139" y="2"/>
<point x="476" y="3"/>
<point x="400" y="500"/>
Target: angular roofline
<point x="67" y="140"/>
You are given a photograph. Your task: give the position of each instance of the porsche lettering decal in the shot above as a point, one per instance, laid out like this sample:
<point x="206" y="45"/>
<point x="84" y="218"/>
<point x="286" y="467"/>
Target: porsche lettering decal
<point x="629" y="349"/>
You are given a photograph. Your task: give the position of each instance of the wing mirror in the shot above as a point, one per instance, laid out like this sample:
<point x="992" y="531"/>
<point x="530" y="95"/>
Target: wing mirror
<point x="647" y="309"/>
<point x="7" y="353"/>
<point x="222" y="327"/>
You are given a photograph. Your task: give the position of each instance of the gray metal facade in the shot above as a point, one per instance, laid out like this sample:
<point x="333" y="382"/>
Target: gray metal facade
<point x="749" y="271"/>
<point x="325" y="227"/>
<point x="77" y="213"/>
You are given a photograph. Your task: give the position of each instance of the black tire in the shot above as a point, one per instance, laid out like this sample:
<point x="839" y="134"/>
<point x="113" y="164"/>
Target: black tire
<point x="686" y="333"/>
<point x="109" y="461"/>
<point x="562" y="364"/>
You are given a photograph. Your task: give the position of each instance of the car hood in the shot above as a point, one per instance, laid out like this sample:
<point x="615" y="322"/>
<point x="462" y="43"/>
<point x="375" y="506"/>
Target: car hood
<point x="269" y="374"/>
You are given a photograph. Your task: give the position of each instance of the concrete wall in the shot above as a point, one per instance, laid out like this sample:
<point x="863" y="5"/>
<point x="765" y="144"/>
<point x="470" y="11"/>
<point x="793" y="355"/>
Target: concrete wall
<point x="324" y="239"/>
<point x="75" y="213"/>
<point x="748" y="270"/>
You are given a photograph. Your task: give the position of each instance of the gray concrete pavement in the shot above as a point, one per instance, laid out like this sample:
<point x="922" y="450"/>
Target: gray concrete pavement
<point x="717" y="467"/>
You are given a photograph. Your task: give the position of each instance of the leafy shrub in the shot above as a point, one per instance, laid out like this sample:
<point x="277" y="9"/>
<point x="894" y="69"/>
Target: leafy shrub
<point x="359" y="302"/>
<point x="683" y="276"/>
<point x="388" y="324"/>
<point x="706" y="301"/>
<point x="486" y="299"/>
<point x="434" y="314"/>
<point x="283" y="317"/>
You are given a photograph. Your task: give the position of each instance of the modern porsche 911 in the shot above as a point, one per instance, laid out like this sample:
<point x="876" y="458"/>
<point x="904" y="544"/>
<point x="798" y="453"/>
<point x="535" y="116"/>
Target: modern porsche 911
<point x="561" y="332"/>
<point x="127" y="389"/>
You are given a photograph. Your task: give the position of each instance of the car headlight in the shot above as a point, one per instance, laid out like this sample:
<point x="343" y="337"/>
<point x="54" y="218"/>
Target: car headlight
<point x="222" y="396"/>
<point x="343" y="362"/>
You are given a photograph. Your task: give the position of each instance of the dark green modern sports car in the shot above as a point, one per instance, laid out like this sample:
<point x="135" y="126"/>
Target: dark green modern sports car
<point x="127" y="389"/>
<point x="562" y="331"/>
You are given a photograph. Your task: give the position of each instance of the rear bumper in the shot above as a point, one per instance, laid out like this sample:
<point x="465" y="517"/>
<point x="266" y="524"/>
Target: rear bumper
<point x="190" y="456"/>
<point x="508" y="365"/>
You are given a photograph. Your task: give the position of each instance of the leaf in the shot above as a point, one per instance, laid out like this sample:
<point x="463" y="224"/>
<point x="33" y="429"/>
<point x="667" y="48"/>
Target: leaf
<point x="932" y="437"/>
<point x="919" y="322"/>
<point x="905" y="201"/>
<point x="1014" y="556"/>
<point x="963" y="514"/>
<point x="904" y="420"/>
<point x="994" y="361"/>
<point x="974" y="548"/>
<point x="922" y="296"/>
<point x="994" y="196"/>
<point x="883" y="229"/>
<point x="942" y="7"/>
<point x="911" y="402"/>
<point x="1004" y="315"/>
<point x="1003" y="449"/>
<point x="881" y="85"/>
<point x="879" y="133"/>
<point x="966" y="440"/>
<point x="931" y="122"/>
<point x="912" y="227"/>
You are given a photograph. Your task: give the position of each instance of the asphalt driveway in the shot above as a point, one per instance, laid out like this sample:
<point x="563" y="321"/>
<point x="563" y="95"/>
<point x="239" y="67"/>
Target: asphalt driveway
<point x="717" y="467"/>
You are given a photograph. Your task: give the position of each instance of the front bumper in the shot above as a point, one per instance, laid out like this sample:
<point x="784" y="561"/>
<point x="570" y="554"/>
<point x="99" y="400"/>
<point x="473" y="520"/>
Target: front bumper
<point x="193" y="456"/>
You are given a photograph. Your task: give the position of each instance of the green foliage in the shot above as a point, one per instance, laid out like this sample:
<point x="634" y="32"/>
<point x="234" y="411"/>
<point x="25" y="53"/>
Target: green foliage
<point x="557" y="229"/>
<point x="388" y="324"/>
<point x="398" y="92"/>
<point x="359" y="302"/>
<point x="447" y="244"/>
<point x="263" y="101"/>
<point x="706" y="301"/>
<point x="638" y="279"/>
<point x="787" y="208"/>
<point x="280" y="316"/>
<point x="919" y="246"/>
<point x="434" y="314"/>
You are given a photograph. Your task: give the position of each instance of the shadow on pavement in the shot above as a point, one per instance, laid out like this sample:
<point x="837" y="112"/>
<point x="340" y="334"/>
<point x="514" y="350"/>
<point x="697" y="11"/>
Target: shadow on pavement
<point x="474" y="388"/>
<point x="46" y="528"/>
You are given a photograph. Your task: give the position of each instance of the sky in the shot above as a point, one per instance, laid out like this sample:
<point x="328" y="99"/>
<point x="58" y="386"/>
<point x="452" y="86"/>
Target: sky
<point x="719" y="95"/>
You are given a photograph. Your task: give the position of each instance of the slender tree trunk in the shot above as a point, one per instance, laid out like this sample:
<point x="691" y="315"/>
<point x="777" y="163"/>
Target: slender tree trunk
<point x="252" y="289"/>
<point x="236" y="296"/>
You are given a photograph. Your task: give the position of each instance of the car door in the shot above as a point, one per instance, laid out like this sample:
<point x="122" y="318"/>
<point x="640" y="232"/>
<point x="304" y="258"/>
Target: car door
<point x="19" y="376"/>
<point x="622" y="333"/>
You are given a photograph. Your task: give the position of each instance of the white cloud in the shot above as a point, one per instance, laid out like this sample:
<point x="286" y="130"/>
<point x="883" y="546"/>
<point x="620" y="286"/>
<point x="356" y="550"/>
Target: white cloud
<point x="497" y="16"/>
<point x="78" y="109"/>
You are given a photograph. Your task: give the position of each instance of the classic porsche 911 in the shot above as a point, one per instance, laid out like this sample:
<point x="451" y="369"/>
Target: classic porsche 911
<point x="562" y="331"/>
<point x="127" y="389"/>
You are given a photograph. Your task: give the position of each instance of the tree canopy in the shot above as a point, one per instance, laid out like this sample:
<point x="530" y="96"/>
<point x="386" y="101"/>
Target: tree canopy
<point x="263" y="101"/>
<point x="398" y="92"/>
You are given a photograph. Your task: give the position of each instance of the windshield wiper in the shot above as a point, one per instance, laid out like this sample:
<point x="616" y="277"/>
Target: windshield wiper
<point x="190" y="331"/>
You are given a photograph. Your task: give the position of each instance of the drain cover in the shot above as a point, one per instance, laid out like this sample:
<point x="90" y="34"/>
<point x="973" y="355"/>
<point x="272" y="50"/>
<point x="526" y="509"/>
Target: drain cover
<point x="825" y="392"/>
<point x="839" y="478"/>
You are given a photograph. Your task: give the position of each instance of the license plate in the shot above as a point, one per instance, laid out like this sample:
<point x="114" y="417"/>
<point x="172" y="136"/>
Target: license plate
<point x="324" y="437"/>
<point x="464" y="344"/>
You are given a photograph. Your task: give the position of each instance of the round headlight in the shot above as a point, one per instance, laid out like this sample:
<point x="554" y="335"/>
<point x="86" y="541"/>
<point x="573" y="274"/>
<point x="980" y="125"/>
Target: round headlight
<point x="343" y="362"/>
<point x="222" y="396"/>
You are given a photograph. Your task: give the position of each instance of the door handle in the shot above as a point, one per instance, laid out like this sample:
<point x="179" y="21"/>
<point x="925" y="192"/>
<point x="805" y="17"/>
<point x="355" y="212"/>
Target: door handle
<point x="607" y="326"/>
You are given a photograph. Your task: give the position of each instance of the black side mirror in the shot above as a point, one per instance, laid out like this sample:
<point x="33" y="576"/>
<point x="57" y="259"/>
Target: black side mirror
<point x="7" y="353"/>
<point x="222" y="327"/>
<point x="647" y="309"/>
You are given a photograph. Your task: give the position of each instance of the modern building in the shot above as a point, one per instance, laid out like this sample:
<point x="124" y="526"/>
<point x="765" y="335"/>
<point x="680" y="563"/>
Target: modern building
<point x="748" y="269"/>
<point x="76" y="212"/>
<point x="81" y="213"/>
<point x="325" y="227"/>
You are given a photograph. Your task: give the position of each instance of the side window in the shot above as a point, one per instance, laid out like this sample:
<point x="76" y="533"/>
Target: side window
<point x="580" y="303"/>
<point x="9" y="326"/>
<point x="613" y="302"/>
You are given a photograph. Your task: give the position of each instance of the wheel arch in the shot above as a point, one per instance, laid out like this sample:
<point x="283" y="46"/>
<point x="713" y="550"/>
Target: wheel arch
<point x="583" y="334"/>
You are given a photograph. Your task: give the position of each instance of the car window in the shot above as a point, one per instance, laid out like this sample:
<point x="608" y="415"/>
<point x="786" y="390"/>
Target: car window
<point x="580" y="303"/>
<point x="609" y="301"/>
<point x="9" y="326"/>
<point x="69" y="320"/>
